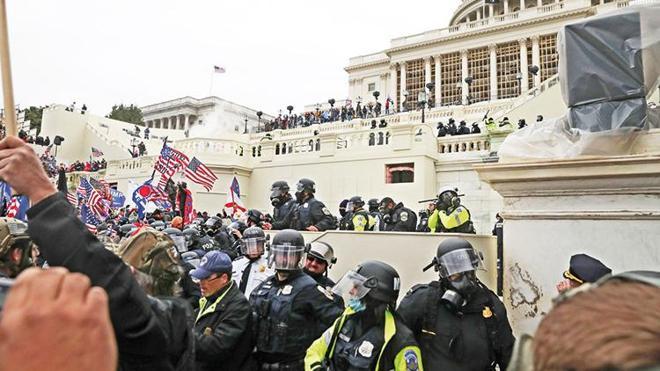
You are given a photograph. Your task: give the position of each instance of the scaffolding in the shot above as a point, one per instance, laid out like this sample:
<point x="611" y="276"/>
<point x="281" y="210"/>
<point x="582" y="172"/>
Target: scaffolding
<point x="508" y="66"/>
<point x="479" y="70"/>
<point x="414" y="81"/>
<point x="451" y="77"/>
<point x="549" y="57"/>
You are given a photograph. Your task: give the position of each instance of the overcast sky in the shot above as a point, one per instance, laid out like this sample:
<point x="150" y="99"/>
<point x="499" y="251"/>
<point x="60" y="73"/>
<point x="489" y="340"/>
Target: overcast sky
<point x="276" y="53"/>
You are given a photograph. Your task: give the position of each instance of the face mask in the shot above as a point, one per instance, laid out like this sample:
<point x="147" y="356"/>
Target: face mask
<point x="453" y="300"/>
<point x="300" y="196"/>
<point x="466" y="286"/>
<point x="275" y="201"/>
<point x="356" y="305"/>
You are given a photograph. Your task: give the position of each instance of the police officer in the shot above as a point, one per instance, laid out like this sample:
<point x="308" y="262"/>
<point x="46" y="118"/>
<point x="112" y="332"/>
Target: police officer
<point x="379" y="225"/>
<point x="451" y="127"/>
<point x="222" y="322"/>
<point x="320" y="257"/>
<point x="397" y="217"/>
<point x="345" y="215"/>
<point x="311" y="214"/>
<point x="289" y="308"/>
<point x="282" y="203"/>
<point x="450" y="215"/>
<point x="442" y="131"/>
<point x="582" y="269"/>
<point x="251" y="269"/>
<point x="475" y="128"/>
<point x="368" y="335"/>
<point x="462" y="128"/>
<point x="16" y="248"/>
<point x="459" y="323"/>
<point x="360" y="218"/>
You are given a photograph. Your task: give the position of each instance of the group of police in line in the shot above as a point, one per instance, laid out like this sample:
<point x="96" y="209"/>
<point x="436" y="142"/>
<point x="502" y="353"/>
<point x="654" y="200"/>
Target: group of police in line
<point x="257" y="312"/>
<point x="305" y="213"/>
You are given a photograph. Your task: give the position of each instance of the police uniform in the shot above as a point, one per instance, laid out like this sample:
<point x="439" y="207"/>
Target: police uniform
<point x="457" y="221"/>
<point x="312" y="212"/>
<point x="361" y="221"/>
<point x="258" y="273"/>
<point x="352" y="344"/>
<point x="402" y="220"/>
<point x="281" y="217"/>
<point x="477" y="338"/>
<point x="289" y="315"/>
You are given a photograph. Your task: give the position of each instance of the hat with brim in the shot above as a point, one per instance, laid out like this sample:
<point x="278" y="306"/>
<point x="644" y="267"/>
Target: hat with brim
<point x="212" y="262"/>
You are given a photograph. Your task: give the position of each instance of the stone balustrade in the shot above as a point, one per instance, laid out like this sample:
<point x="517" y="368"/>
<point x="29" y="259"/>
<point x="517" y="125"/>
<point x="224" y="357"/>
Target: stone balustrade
<point x="464" y="143"/>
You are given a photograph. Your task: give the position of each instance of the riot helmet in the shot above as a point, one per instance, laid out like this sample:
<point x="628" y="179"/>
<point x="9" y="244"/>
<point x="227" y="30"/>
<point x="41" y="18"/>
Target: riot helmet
<point x="303" y="186"/>
<point x="158" y="225"/>
<point x="322" y="251"/>
<point x="236" y="228"/>
<point x="287" y="250"/>
<point x="373" y="204"/>
<point x="171" y="231"/>
<point x="253" y="241"/>
<point x="372" y="280"/>
<point x="254" y="217"/>
<point x="127" y="229"/>
<point x="457" y="261"/>
<point x="280" y="190"/>
<point x="13" y="234"/>
<point x="385" y="205"/>
<point x="355" y="203"/>
<point x="447" y="198"/>
<point x="191" y="236"/>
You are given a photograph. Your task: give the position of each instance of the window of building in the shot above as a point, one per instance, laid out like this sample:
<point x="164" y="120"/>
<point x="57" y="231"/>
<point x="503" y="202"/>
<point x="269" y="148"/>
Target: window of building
<point x="479" y="70"/>
<point x="414" y="82"/>
<point x="549" y="57"/>
<point x="372" y="87"/>
<point x="508" y="66"/>
<point x="451" y="76"/>
<point x="400" y="173"/>
<point x="530" y="77"/>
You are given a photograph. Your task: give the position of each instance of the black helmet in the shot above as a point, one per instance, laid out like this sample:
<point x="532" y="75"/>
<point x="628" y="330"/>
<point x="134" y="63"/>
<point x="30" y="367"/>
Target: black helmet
<point x="373" y="204"/>
<point x="447" y="197"/>
<point x="456" y="255"/>
<point x="255" y="216"/>
<point x="323" y="251"/>
<point x="280" y="185"/>
<point x="306" y="185"/>
<point x="237" y="225"/>
<point x="287" y="250"/>
<point x="253" y="241"/>
<point x="171" y="231"/>
<point x="13" y="234"/>
<point x="356" y="201"/>
<point x="279" y="191"/>
<point x="191" y="235"/>
<point x="382" y="280"/>
<point x="158" y="225"/>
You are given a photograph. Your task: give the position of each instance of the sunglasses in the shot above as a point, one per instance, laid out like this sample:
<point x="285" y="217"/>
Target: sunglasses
<point x="315" y="259"/>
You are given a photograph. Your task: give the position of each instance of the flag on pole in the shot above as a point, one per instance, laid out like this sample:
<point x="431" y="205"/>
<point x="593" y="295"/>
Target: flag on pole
<point x="234" y="198"/>
<point x="72" y="198"/>
<point x="118" y="198"/>
<point x="96" y="152"/>
<point x="218" y="69"/>
<point x="200" y="174"/>
<point x="87" y="217"/>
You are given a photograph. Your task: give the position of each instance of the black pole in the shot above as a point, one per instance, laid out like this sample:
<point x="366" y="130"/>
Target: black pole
<point x="423" y="105"/>
<point x="153" y="173"/>
<point x="499" y="230"/>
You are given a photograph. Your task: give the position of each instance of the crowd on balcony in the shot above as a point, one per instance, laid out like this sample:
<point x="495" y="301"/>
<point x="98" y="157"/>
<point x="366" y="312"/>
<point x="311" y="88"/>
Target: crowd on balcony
<point x="491" y="125"/>
<point x="333" y="114"/>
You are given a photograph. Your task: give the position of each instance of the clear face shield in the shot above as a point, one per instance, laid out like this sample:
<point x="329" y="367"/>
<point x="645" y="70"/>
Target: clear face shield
<point x="349" y="207"/>
<point x="286" y="257"/>
<point x="353" y="287"/>
<point x="459" y="261"/>
<point x="252" y="246"/>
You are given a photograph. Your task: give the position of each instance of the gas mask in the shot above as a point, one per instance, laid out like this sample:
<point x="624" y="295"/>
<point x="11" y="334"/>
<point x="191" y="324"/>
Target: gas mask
<point x="459" y="291"/>
<point x="277" y="197"/>
<point x="301" y="196"/>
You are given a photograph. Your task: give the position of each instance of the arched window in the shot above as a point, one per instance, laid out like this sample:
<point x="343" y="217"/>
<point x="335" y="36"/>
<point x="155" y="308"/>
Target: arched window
<point x="254" y="151"/>
<point x="284" y="148"/>
<point x="259" y="151"/>
<point x="400" y="173"/>
<point x="277" y="149"/>
<point x="318" y="144"/>
<point x="387" y="138"/>
<point x="372" y="139"/>
<point x="290" y="148"/>
<point x="311" y="145"/>
<point x="381" y="138"/>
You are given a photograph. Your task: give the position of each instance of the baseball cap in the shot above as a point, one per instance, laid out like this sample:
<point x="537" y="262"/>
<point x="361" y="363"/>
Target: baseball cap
<point x="212" y="262"/>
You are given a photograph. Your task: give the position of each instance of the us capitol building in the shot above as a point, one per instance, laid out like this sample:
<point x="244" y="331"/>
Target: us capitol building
<point x="498" y="60"/>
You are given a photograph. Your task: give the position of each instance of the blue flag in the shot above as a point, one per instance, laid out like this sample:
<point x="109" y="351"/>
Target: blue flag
<point x="118" y="198"/>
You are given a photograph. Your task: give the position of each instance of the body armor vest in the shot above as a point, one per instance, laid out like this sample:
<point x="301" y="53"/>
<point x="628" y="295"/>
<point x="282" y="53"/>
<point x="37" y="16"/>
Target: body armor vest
<point x="357" y="353"/>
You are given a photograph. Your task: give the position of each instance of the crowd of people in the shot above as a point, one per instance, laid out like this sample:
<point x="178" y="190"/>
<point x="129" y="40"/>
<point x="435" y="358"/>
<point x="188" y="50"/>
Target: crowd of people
<point x="491" y="126"/>
<point x="333" y="114"/>
<point x="212" y="293"/>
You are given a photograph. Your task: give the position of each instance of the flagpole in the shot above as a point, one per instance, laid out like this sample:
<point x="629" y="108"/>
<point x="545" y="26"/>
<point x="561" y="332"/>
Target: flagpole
<point x="153" y="173"/>
<point x="5" y="62"/>
<point x="211" y="85"/>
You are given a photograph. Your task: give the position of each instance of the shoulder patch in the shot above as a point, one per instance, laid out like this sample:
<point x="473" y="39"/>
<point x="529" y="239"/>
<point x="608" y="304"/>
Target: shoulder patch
<point x="415" y="288"/>
<point x="403" y="216"/>
<point x="325" y="291"/>
<point x="412" y="363"/>
<point x="325" y="211"/>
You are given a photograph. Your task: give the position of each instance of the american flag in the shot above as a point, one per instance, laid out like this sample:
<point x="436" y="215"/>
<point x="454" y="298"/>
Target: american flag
<point x="218" y="69"/>
<point x="93" y="199"/>
<point x="72" y="198"/>
<point x="89" y="219"/>
<point x="200" y="174"/>
<point x="102" y="187"/>
<point x="234" y="198"/>
<point x="169" y="161"/>
<point x="18" y="207"/>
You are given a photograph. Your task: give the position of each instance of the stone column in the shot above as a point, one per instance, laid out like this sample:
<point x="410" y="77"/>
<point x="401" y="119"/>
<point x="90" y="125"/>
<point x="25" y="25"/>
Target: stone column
<point x="522" y="4"/>
<point x="492" y="49"/>
<point x="438" y="80"/>
<point x="539" y="3"/>
<point x="506" y="6"/>
<point x="187" y="122"/>
<point x="427" y="71"/>
<point x="536" y="59"/>
<point x="392" y="85"/>
<point x="176" y="123"/>
<point x="479" y="14"/>
<point x="465" y="91"/>
<point x="524" y="85"/>
<point x="403" y="85"/>
<point x="491" y="11"/>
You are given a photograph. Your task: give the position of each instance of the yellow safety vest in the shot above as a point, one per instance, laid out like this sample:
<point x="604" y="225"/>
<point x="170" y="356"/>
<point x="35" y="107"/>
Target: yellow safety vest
<point x="203" y="301"/>
<point x="457" y="218"/>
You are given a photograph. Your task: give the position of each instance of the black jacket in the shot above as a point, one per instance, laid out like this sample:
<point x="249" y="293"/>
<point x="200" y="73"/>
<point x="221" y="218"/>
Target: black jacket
<point x="223" y="336"/>
<point x="281" y="214"/>
<point x="148" y="330"/>
<point x="312" y="212"/>
<point x="452" y="341"/>
<point x="402" y="219"/>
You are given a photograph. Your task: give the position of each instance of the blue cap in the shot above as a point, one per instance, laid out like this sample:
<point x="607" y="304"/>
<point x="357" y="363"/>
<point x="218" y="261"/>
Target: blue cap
<point x="584" y="268"/>
<point x="212" y="262"/>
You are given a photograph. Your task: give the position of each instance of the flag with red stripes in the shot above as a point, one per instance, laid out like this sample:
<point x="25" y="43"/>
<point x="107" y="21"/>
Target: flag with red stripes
<point x="200" y="174"/>
<point x="72" y="198"/>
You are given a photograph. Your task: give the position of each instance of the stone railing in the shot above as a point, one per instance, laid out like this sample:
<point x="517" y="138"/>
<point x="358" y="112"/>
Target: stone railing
<point x="73" y="178"/>
<point x="213" y="147"/>
<point x="369" y="58"/>
<point x="464" y="143"/>
<point x="144" y="163"/>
